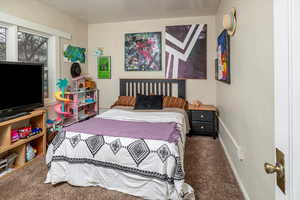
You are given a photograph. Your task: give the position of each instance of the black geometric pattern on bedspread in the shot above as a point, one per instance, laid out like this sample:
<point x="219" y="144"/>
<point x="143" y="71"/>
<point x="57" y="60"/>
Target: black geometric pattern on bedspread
<point x="138" y="150"/>
<point x="58" y="139"/>
<point x="143" y="173"/>
<point x="94" y="143"/>
<point x="115" y="146"/>
<point x="179" y="174"/>
<point x="75" y="140"/>
<point x="163" y="152"/>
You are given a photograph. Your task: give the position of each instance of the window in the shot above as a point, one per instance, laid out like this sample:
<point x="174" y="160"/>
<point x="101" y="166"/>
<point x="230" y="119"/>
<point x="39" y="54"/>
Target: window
<point x="26" y="41"/>
<point x="34" y="48"/>
<point x="3" y="34"/>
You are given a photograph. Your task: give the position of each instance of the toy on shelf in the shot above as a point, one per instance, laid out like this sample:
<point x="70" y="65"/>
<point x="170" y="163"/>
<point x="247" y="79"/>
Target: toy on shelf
<point x="15" y="135"/>
<point x="60" y="96"/>
<point x="35" y="131"/>
<point x="89" y="100"/>
<point x="77" y="101"/>
<point x="7" y="162"/>
<point x="90" y="84"/>
<point x="30" y="152"/>
<point x="23" y="133"/>
<point x="78" y="83"/>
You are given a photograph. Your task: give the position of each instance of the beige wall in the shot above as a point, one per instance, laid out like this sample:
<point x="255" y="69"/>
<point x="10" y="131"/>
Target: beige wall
<point x="247" y="105"/>
<point x="41" y="13"/>
<point x="110" y="36"/>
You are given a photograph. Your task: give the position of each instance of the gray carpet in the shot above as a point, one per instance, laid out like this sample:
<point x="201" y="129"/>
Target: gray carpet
<point x="207" y="171"/>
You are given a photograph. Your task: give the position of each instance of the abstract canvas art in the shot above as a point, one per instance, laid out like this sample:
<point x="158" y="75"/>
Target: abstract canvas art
<point x="223" y="63"/>
<point x="74" y="54"/>
<point x="104" y="67"/>
<point x="143" y="51"/>
<point x="186" y="50"/>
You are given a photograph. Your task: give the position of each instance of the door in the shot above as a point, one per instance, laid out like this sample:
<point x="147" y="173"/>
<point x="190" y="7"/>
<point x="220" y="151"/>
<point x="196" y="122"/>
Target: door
<point x="287" y="97"/>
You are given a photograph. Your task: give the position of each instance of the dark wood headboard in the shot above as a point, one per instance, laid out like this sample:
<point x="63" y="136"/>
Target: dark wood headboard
<point x="131" y="87"/>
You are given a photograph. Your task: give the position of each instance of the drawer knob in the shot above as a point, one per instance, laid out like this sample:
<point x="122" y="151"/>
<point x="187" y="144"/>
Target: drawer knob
<point x="202" y="116"/>
<point x="202" y="127"/>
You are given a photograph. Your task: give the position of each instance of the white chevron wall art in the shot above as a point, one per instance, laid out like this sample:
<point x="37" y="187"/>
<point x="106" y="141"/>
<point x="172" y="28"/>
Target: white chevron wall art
<point x="186" y="51"/>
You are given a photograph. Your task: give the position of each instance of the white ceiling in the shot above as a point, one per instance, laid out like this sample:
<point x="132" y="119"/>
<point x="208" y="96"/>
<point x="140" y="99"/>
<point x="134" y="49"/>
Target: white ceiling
<point x="100" y="11"/>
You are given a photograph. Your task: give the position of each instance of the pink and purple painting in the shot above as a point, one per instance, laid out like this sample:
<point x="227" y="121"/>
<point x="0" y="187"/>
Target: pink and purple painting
<point x="186" y="50"/>
<point x="143" y="51"/>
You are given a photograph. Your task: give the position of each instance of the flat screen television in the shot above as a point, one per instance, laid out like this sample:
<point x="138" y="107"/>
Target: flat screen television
<point x="21" y="87"/>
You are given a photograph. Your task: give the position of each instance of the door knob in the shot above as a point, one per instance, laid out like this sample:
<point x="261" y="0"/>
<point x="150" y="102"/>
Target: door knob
<point x="278" y="168"/>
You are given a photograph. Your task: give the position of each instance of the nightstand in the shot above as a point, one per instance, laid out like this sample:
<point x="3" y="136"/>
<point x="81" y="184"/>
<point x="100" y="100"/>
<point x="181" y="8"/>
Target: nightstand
<point x="203" y="120"/>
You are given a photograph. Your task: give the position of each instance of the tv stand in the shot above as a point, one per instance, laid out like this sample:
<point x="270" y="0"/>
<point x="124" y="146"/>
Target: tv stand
<point x="13" y="116"/>
<point x="36" y="119"/>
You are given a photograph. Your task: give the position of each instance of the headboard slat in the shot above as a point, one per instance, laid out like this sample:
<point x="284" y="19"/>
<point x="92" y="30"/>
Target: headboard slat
<point x="152" y="88"/>
<point x="161" y="88"/>
<point x="141" y="87"/>
<point x="132" y="87"/>
<point x="136" y="87"/>
<point x="166" y="89"/>
<point x="129" y="88"/>
<point x="144" y="84"/>
<point x="170" y="89"/>
<point x="148" y="88"/>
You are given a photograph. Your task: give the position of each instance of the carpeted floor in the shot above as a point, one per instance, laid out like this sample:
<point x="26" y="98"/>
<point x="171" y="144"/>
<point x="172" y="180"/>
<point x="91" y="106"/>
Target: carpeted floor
<point x="207" y="171"/>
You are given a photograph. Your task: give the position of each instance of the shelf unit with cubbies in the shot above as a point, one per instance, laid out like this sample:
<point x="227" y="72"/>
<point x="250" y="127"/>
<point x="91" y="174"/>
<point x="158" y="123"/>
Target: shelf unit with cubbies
<point x="80" y="108"/>
<point x="37" y="119"/>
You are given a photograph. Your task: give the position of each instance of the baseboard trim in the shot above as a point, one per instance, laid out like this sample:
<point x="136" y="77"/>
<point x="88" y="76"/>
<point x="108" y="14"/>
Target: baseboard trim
<point x="239" y="180"/>
<point x="234" y="142"/>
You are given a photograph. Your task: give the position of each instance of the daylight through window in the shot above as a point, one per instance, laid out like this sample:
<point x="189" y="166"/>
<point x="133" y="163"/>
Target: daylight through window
<point x="34" y="48"/>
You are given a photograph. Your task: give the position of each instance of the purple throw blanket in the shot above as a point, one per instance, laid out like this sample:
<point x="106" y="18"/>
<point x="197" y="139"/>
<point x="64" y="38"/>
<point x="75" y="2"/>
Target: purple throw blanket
<point x="166" y="131"/>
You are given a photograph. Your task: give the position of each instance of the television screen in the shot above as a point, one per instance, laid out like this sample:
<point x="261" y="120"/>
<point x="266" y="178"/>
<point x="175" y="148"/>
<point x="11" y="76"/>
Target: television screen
<point x="21" y="86"/>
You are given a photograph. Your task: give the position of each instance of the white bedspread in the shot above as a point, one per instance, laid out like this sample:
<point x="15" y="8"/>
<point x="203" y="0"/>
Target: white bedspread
<point x="151" y="169"/>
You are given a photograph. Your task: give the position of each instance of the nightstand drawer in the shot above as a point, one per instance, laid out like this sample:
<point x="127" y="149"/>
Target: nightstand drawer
<point x="199" y="115"/>
<point x="202" y="126"/>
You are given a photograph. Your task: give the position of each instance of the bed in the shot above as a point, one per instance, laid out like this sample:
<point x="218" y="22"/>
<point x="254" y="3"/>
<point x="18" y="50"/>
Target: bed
<point x="136" y="152"/>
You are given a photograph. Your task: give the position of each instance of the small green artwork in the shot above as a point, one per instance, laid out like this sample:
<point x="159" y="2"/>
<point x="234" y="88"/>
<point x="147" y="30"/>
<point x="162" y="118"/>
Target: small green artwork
<point x="104" y="67"/>
<point x="74" y="54"/>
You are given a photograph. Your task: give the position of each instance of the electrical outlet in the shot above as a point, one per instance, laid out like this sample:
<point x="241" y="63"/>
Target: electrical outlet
<point x="240" y="154"/>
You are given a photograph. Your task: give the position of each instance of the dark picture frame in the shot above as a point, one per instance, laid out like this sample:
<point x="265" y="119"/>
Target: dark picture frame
<point x="223" y="59"/>
<point x="143" y="51"/>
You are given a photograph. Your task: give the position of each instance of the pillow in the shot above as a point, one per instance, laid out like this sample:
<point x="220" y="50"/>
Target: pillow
<point x="168" y="102"/>
<point x="148" y="102"/>
<point x="174" y="102"/>
<point x="125" y="101"/>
